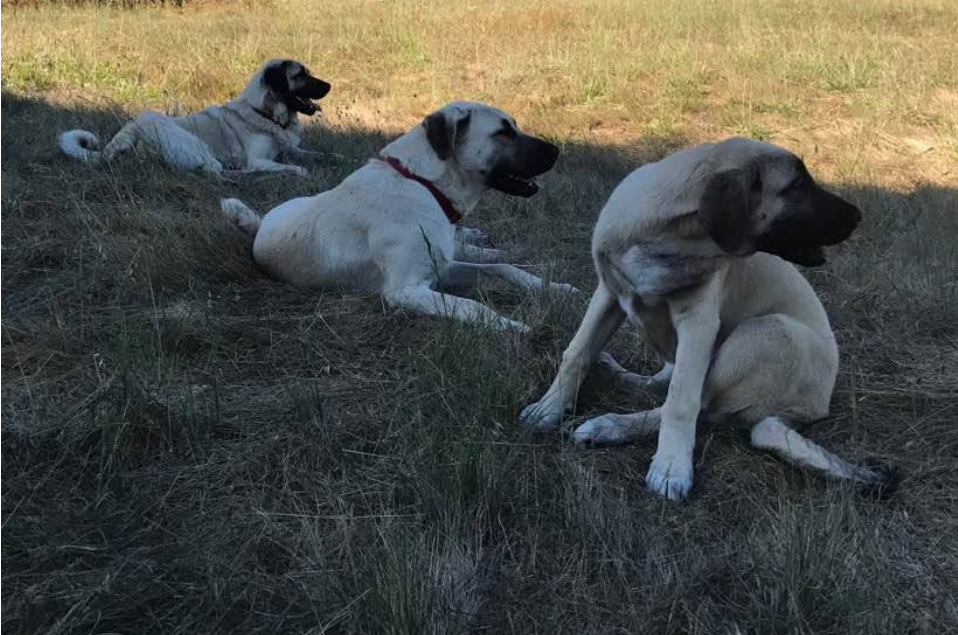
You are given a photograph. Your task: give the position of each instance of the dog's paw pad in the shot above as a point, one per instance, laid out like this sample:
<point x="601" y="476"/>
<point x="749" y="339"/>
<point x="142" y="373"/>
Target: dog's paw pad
<point x="671" y="479"/>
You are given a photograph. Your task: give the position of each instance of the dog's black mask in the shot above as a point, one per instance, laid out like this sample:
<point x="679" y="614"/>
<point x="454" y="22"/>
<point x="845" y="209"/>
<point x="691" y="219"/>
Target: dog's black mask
<point x="811" y="218"/>
<point x="298" y="91"/>
<point x="522" y="158"/>
<point x="805" y="216"/>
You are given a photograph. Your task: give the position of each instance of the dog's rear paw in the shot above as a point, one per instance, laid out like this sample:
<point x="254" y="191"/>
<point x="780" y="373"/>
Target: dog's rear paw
<point x="670" y="476"/>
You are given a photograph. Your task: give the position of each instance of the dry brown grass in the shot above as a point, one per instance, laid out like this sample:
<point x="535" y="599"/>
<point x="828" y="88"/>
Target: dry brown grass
<point x="189" y="447"/>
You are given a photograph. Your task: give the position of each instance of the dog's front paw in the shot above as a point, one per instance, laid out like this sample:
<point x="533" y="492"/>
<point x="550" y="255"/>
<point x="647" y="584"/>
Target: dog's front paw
<point x="601" y="430"/>
<point x="670" y="475"/>
<point x="505" y="324"/>
<point x="470" y="233"/>
<point x="563" y="288"/>
<point x="298" y="170"/>
<point x="543" y="416"/>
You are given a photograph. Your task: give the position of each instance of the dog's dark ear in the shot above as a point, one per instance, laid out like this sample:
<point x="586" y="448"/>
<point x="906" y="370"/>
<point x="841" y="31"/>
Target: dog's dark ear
<point x="275" y="78"/>
<point x="726" y="206"/>
<point x="443" y="135"/>
<point x="438" y="133"/>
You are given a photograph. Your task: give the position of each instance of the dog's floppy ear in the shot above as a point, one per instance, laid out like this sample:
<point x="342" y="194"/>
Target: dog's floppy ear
<point x="275" y="78"/>
<point x="726" y="205"/>
<point x="443" y="135"/>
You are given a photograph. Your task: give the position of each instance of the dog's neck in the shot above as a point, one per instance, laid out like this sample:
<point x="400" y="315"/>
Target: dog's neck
<point x="413" y="151"/>
<point x="265" y="104"/>
<point x="447" y="207"/>
<point x="270" y="115"/>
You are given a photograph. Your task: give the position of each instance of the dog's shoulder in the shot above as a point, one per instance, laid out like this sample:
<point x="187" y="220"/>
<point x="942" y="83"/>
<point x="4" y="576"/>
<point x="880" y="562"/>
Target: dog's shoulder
<point x="239" y="112"/>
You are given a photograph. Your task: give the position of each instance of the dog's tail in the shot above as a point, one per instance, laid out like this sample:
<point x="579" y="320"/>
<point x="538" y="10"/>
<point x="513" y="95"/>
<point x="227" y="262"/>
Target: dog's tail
<point x="81" y="144"/>
<point x="243" y="217"/>
<point x="877" y="479"/>
<point x="85" y="146"/>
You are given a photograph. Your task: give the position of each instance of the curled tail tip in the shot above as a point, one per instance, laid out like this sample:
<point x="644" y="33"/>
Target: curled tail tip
<point x="79" y="144"/>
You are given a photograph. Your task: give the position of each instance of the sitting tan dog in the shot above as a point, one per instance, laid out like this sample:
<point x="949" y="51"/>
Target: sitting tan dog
<point x="678" y="250"/>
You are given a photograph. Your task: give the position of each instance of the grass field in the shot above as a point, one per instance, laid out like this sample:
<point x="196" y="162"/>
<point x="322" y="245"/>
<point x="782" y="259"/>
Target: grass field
<point x="189" y="447"/>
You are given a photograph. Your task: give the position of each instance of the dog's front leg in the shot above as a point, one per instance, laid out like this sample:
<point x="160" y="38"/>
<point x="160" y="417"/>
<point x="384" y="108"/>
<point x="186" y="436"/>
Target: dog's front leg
<point x="601" y="320"/>
<point x="298" y="154"/>
<point x="468" y="250"/>
<point x="469" y="274"/>
<point x="695" y="317"/>
<point x="470" y="235"/>
<point x="265" y="165"/>
<point x="424" y="300"/>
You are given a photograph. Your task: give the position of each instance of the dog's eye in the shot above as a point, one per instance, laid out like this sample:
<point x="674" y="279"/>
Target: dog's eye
<point x="507" y="132"/>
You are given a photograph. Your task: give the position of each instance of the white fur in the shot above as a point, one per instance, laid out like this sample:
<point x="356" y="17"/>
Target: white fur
<point x="218" y="140"/>
<point x="776" y="356"/>
<point x="378" y="231"/>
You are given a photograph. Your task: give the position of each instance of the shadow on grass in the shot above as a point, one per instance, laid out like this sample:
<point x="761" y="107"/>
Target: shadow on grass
<point x="190" y="446"/>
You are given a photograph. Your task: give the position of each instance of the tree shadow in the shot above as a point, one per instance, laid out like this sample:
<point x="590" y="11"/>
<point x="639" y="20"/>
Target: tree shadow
<point x="146" y="357"/>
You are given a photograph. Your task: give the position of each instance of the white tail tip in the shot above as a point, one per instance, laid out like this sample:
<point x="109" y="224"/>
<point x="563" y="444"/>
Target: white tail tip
<point x="241" y="216"/>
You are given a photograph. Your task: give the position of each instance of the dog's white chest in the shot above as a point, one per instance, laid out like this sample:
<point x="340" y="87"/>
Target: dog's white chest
<point x="263" y="147"/>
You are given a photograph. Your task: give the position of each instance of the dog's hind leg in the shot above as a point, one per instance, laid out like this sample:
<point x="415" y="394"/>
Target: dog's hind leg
<point x="633" y="383"/>
<point x="772" y="369"/>
<point x="773" y="434"/>
<point x="616" y="429"/>
<point x="178" y="147"/>
<point x="424" y="300"/>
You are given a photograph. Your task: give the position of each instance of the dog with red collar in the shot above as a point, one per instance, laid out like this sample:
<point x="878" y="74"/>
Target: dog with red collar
<point x="390" y="227"/>
<point x="247" y="134"/>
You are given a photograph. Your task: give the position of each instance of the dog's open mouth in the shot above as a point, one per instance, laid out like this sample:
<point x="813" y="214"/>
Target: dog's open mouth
<point x="513" y="184"/>
<point x="304" y="105"/>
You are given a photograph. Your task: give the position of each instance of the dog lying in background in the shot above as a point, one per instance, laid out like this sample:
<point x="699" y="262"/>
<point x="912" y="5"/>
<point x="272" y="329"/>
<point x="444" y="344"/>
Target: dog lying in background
<point x="678" y="250"/>
<point x="390" y="226"/>
<point x="246" y="134"/>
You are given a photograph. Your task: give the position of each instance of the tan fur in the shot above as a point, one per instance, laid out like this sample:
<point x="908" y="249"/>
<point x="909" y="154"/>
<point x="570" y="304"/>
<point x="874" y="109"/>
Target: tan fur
<point x="747" y="336"/>
<point x="379" y="231"/>
<point x="232" y="138"/>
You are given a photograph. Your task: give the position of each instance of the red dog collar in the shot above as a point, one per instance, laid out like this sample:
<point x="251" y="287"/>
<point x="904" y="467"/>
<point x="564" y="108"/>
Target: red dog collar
<point x="444" y="202"/>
